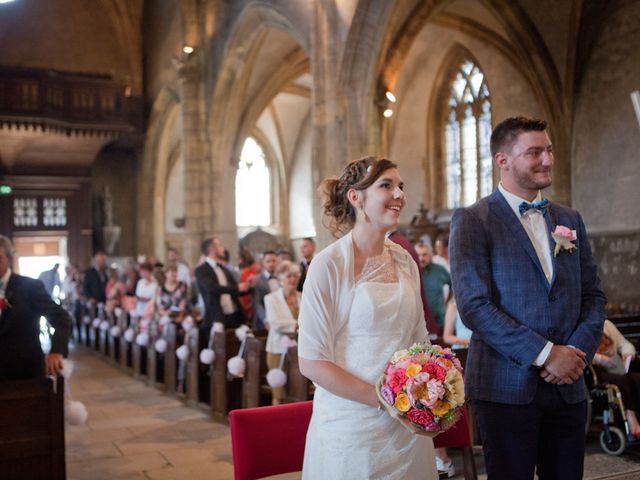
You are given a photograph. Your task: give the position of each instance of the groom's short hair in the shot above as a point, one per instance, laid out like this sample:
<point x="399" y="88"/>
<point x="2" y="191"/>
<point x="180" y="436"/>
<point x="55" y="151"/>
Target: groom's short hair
<point x="506" y="132"/>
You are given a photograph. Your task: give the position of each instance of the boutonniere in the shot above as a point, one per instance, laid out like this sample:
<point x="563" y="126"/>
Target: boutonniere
<point x="4" y="304"/>
<point x="564" y="238"/>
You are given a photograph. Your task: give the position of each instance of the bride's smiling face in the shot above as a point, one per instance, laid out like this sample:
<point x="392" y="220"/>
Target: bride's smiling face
<point x="383" y="201"/>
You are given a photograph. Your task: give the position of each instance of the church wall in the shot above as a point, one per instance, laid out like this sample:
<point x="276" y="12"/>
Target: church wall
<point x="606" y="171"/>
<point x="162" y="44"/>
<point x="117" y="169"/>
<point x="418" y="87"/>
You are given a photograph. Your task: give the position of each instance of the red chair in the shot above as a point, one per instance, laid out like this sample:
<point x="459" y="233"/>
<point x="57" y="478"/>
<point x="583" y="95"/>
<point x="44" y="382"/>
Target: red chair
<point x="269" y="440"/>
<point x="460" y="436"/>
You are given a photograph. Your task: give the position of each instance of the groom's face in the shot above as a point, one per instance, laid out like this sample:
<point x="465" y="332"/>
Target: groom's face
<point x="528" y="165"/>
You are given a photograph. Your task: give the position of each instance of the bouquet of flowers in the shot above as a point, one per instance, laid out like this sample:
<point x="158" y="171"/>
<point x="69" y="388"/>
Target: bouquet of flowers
<point x="423" y="387"/>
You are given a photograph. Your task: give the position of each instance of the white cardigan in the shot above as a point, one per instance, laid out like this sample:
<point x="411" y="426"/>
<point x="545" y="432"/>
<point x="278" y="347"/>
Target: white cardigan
<point x="328" y="294"/>
<point x="280" y="320"/>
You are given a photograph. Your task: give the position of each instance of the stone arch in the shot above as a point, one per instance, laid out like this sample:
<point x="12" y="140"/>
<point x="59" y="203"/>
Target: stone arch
<point x="236" y="103"/>
<point x="162" y="139"/>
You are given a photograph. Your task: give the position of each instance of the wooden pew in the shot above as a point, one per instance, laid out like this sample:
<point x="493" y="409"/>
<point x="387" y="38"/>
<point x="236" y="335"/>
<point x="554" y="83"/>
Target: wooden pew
<point x="89" y="311"/>
<point x="170" y="359"/>
<point x="32" y="429"/>
<point x="298" y="387"/>
<point x="138" y="353"/>
<point x="115" y="342"/>
<point x="193" y="380"/>
<point x="104" y="335"/>
<point x="226" y="391"/>
<point x="255" y="390"/>
<point x="126" y="348"/>
<point x="629" y="326"/>
<point x="155" y="360"/>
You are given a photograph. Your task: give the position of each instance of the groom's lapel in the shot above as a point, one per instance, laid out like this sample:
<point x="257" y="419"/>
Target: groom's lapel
<point x="503" y="211"/>
<point x="552" y="221"/>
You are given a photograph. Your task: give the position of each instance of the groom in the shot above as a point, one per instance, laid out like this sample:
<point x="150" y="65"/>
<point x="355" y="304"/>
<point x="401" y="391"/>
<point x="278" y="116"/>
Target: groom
<point x="536" y="310"/>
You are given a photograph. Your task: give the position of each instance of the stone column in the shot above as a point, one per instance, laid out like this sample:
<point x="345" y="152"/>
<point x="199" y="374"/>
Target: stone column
<point x="330" y="151"/>
<point x="195" y="150"/>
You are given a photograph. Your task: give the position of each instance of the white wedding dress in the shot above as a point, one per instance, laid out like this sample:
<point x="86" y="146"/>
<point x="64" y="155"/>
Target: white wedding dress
<point x="350" y="440"/>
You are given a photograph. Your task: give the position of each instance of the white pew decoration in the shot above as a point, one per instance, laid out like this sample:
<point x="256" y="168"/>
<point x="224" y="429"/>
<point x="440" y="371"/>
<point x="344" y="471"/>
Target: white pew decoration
<point x="276" y="377"/>
<point x="207" y="355"/>
<point x="75" y="412"/>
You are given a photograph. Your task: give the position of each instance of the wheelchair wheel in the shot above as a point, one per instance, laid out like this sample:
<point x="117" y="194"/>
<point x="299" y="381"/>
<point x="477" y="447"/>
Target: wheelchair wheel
<point x="614" y="441"/>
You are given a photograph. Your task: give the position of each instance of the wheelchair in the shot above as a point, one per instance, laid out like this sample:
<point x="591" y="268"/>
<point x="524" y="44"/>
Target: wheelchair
<point x="604" y="402"/>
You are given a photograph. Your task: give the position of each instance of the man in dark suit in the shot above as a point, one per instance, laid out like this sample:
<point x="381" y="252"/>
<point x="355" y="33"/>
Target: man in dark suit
<point x="266" y="282"/>
<point x="95" y="280"/>
<point x="22" y="302"/>
<point x="534" y="304"/>
<point x="307" y="250"/>
<point x="219" y="289"/>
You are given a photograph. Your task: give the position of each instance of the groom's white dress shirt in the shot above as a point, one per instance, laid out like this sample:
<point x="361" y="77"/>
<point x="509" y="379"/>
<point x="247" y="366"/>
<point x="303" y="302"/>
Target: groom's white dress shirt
<point x="536" y="227"/>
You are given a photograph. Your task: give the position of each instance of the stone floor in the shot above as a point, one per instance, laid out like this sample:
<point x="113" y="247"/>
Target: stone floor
<point x="136" y="432"/>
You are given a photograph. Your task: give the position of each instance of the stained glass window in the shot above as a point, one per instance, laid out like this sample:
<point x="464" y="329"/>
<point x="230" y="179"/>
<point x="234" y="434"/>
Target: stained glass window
<point x="468" y="166"/>
<point x="253" y="187"/>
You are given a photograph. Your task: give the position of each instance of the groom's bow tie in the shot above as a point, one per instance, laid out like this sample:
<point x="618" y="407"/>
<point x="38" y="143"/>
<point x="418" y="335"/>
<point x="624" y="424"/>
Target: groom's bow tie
<point x="541" y="206"/>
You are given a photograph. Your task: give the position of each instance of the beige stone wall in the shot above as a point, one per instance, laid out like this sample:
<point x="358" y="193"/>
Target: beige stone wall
<point x="249" y="52"/>
<point x="606" y="141"/>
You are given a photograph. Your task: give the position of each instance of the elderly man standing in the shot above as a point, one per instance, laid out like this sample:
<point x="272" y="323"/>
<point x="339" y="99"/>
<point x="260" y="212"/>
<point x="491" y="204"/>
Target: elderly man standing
<point x="435" y="277"/>
<point x="22" y="302"/>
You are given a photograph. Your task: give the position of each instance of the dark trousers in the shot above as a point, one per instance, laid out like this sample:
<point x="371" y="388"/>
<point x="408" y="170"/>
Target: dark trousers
<point x="233" y="320"/>
<point x="546" y="435"/>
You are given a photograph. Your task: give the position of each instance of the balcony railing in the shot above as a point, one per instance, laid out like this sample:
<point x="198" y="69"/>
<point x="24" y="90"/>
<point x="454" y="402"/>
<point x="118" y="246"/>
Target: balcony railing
<point x="65" y="101"/>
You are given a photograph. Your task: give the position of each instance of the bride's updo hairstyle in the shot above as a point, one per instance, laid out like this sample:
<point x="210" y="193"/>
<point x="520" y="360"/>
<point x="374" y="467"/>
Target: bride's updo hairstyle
<point x="359" y="175"/>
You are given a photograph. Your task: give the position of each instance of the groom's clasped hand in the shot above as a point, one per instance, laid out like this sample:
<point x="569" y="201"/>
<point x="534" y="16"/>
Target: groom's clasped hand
<point x="564" y="365"/>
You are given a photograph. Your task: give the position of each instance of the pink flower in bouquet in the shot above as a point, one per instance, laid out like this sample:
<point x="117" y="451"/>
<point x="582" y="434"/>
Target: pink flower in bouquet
<point x="397" y="379"/>
<point x="421" y="417"/>
<point x="435" y="371"/>
<point x="387" y="394"/>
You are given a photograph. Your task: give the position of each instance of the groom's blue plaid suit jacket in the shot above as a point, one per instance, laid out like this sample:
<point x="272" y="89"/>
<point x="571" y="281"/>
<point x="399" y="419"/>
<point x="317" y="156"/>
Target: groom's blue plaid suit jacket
<point x="504" y="297"/>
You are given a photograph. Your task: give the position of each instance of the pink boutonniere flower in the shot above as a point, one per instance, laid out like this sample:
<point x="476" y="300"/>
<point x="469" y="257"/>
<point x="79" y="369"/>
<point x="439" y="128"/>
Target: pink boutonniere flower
<point x="564" y="238"/>
<point x="4" y="304"/>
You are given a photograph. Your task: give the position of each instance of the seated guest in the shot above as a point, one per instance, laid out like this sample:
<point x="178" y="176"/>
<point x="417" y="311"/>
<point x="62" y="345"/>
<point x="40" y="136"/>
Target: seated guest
<point x="282" y="307"/>
<point x="307" y="250"/>
<point x="146" y="289"/>
<point x="184" y="274"/>
<point x="266" y="283"/>
<point x="249" y="268"/>
<point x="282" y="255"/>
<point x="172" y="295"/>
<point x="455" y="332"/>
<point x="131" y="277"/>
<point x="610" y="363"/>
<point x="22" y="302"/>
<point x="114" y="290"/>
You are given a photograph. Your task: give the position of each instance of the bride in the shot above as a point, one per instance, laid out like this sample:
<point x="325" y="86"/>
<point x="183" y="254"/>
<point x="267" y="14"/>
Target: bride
<point x="361" y="303"/>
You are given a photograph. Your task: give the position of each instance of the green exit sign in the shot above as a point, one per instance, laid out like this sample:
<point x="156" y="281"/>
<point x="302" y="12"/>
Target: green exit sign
<point x="5" y="189"/>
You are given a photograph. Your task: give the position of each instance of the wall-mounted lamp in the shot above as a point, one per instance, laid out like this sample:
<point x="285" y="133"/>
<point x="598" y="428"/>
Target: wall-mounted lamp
<point x="386" y="104"/>
<point x="188" y="49"/>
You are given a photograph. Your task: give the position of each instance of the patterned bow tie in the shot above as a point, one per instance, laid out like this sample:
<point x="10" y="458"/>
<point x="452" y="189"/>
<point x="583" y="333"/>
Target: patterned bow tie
<point x="541" y="206"/>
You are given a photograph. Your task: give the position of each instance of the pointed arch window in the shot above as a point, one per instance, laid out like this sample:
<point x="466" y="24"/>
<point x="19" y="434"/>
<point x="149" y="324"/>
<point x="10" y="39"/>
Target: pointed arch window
<point x="468" y="166"/>
<point x="253" y="187"/>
